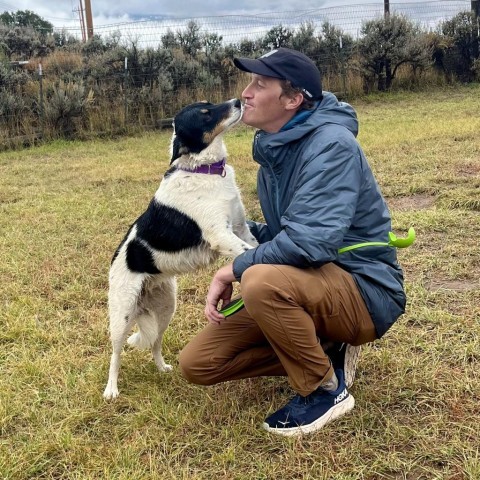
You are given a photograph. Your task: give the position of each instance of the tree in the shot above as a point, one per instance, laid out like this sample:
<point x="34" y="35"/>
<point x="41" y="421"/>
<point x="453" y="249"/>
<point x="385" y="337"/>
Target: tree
<point x="387" y="44"/>
<point x="169" y="40"/>
<point x="276" y="37"/>
<point x="212" y="43"/>
<point x="190" y="39"/>
<point x="335" y="49"/>
<point x="461" y="33"/>
<point x="304" y="39"/>
<point x="247" y="48"/>
<point x="26" y="18"/>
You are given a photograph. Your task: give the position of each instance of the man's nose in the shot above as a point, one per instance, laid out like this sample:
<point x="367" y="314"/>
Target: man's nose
<point x="246" y="92"/>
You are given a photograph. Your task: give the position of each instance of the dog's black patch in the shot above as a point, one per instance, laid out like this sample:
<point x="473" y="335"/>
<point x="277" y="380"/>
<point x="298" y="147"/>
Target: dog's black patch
<point x="167" y="229"/>
<point x="139" y="258"/>
<point x="169" y="172"/>
<point x="164" y="229"/>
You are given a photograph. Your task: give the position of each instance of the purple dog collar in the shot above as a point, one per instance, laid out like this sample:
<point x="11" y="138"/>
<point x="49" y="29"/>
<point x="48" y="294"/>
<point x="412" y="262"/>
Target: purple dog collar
<point x="217" y="168"/>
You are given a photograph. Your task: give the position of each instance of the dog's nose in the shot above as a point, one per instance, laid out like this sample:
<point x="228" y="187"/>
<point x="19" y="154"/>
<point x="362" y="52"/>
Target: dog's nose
<point x="237" y="103"/>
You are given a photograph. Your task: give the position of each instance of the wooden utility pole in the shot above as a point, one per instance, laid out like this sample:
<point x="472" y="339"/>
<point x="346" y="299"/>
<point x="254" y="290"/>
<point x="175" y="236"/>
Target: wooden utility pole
<point x="88" y="16"/>
<point x="386" y="8"/>
<point x="82" y="21"/>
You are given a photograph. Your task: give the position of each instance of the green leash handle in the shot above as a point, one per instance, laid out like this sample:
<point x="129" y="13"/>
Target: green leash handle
<point x="393" y="241"/>
<point x="232" y="307"/>
<point x="402" y="242"/>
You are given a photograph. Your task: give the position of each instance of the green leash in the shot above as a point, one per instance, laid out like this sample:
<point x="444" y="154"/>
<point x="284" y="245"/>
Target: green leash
<point x="232" y="307"/>
<point x="393" y="241"/>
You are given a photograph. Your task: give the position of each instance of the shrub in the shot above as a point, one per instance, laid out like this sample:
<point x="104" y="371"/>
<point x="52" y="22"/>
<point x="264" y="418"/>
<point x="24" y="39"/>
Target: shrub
<point x="24" y="42"/>
<point x="65" y="107"/>
<point x="387" y="44"/>
<point x="461" y="46"/>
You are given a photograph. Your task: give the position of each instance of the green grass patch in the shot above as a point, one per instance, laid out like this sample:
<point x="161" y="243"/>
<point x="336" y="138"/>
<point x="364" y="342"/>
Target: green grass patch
<point x="64" y="207"/>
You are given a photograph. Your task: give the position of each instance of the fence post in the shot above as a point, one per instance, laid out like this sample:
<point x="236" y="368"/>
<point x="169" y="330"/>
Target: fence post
<point x="42" y="112"/>
<point x="475" y="8"/>
<point x="475" y="5"/>
<point x="344" y="70"/>
<point x="125" y="85"/>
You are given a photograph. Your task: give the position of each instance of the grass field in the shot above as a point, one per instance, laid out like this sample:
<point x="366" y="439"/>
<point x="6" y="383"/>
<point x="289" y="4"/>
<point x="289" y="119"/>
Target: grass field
<point x="64" y="207"/>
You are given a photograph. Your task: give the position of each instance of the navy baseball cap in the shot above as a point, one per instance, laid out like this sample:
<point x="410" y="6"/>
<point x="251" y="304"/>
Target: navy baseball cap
<point x="286" y="64"/>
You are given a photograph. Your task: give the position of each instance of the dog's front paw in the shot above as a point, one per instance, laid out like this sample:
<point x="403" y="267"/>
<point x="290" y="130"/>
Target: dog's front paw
<point x="110" y="393"/>
<point x="165" y="368"/>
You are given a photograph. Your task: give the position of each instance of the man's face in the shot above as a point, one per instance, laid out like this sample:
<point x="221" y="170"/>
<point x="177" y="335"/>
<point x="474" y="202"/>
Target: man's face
<point x="264" y="105"/>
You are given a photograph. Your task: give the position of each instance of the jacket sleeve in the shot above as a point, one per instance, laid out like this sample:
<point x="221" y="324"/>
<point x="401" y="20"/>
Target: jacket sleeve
<point x="259" y="231"/>
<point x="319" y="213"/>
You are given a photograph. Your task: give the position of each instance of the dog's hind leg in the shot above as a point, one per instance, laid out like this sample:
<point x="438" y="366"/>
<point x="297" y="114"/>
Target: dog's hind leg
<point x="161" y="305"/>
<point x="119" y="329"/>
<point x="123" y="313"/>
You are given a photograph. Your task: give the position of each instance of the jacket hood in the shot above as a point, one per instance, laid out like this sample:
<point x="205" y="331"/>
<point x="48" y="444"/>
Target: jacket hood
<point x="329" y="111"/>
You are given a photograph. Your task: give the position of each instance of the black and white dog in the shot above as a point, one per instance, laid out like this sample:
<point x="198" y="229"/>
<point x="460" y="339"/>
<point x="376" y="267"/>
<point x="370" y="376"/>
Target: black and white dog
<point x="195" y="216"/>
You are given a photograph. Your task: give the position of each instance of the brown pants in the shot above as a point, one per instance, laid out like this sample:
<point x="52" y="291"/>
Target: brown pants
<point x="287" y="310"/>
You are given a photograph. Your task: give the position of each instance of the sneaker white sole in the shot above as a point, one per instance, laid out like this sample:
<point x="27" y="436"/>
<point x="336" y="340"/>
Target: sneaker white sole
<point x="335" y="412"/>
<point x="350" y="363"/>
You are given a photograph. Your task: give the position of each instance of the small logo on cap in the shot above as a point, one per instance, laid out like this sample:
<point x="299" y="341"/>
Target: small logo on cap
<point x="307" y="93"/>
<point x="269" y="53"/>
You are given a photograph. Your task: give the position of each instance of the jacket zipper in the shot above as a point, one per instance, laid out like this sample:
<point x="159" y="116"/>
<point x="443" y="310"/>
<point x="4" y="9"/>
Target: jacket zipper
<point x="276" y="203"/>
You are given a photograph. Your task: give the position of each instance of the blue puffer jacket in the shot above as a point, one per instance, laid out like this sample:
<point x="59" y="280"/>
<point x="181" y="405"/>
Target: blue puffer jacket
<point x="318" y="194"/>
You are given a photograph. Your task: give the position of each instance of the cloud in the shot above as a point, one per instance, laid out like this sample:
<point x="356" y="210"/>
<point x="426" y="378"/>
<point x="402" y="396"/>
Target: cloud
<point x="234" y="19"/>
<point x="65" y="12"/>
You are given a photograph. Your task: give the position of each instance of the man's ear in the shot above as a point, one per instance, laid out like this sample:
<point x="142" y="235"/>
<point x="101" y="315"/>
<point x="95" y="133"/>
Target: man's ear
<point x="294" y="102"/>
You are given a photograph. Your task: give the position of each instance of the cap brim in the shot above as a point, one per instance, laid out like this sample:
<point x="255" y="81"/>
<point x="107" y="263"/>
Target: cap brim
<point x="255" y="66"/>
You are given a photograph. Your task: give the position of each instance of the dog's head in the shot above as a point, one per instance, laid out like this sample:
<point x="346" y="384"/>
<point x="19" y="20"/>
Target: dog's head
<point x="197" y="126"/>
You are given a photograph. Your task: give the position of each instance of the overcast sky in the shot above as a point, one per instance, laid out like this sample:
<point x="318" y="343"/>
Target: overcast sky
<point x="138" y="19"/>
<point x="61" y="13"/>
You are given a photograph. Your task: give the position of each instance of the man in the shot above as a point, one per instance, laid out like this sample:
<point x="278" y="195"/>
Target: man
<point x="317" y="194"/>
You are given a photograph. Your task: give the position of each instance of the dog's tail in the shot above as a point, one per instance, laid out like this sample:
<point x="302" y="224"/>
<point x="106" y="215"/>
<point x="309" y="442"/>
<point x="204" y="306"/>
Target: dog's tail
<point x="147" y="333"/>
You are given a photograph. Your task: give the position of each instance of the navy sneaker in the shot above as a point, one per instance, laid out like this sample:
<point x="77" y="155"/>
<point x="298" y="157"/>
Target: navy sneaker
<point x="307" y="414"/>
<point x="345" y="357"/>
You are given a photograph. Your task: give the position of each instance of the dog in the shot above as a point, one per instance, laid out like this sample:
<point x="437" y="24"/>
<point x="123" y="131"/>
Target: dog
<point x="195" y="216"/>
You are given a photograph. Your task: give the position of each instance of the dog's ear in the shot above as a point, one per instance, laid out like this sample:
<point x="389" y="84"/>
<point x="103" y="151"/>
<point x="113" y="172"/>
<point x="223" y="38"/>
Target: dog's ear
<point x="178" y="149"/>
<point x="175" y="149"/>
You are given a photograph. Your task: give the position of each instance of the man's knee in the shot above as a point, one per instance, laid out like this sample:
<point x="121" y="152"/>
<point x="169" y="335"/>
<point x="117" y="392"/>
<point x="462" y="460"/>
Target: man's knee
<point x="259" y="281"/>
<point x="192" y="368"/>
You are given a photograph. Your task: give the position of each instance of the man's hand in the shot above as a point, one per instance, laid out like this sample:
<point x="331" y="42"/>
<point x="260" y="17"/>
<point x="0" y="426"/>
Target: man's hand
<point x="221" y="288"/>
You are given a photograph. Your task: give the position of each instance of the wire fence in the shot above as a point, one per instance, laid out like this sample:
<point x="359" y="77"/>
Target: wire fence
<point x="136" y="75"/>
<point x="235" y="28"/>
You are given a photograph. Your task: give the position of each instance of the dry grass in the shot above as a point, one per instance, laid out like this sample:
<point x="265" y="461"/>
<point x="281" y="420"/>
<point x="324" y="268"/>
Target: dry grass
<point x="63" y="209"/>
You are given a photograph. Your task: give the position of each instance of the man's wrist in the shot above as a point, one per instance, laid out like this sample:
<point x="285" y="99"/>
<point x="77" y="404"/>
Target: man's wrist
<point x="225" y="274"/>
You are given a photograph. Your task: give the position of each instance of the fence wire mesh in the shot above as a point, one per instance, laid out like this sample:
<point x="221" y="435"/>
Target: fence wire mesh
<point x="234" y="28"/>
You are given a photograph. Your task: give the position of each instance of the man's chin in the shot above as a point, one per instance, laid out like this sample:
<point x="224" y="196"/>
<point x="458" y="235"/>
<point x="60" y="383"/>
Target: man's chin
<point x="247" y="120"/>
